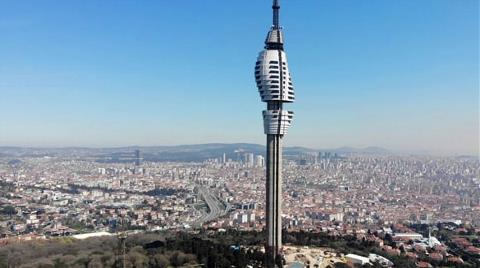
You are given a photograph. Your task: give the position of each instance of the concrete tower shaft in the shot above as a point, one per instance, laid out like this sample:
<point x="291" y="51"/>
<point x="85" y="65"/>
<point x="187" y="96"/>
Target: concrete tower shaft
<point x="273" y="211"/>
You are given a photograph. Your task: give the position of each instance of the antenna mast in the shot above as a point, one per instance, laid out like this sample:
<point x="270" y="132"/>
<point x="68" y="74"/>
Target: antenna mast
<point x="276" y="14"/>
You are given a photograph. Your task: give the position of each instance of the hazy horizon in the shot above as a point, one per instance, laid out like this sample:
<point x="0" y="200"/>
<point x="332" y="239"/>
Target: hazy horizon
<point x="345" y="147"/>
<point x="397" y="75"/>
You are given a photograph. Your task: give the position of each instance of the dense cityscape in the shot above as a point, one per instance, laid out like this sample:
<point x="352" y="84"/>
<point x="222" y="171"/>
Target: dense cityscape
<point x="382" y="198"/>
<point x="124" y="131"/>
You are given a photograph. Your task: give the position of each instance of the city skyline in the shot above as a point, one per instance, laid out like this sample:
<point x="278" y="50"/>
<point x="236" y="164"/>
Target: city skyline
<point x="104" y="74"/>
<point x="79" y="194"/>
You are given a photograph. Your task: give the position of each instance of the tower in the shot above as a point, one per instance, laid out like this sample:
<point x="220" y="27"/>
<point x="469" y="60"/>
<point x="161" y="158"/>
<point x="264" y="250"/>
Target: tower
<point x="138" y="159"/>
<point x="275" y="86"/>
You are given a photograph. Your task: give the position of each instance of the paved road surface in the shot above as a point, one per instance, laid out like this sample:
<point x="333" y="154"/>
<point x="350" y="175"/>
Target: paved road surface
<point x="215" y="207"/>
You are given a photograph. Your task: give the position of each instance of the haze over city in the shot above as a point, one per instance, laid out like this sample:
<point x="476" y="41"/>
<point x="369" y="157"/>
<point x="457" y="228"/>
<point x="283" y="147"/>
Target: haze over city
<point x="400" y="75"/>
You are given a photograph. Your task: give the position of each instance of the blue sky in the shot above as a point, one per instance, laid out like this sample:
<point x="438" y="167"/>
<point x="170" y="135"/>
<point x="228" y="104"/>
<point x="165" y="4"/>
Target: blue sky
<point x="397" y="74"/>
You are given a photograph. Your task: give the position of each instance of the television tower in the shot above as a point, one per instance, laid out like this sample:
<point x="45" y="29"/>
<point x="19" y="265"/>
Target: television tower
<point x="275" y="87"/>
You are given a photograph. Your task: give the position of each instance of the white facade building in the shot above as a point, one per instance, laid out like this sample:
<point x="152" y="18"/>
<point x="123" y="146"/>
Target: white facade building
<point x="357" y="259"/>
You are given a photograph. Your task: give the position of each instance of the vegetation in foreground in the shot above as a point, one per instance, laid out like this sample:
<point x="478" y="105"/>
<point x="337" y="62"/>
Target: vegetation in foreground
<point x="216" y="250"/>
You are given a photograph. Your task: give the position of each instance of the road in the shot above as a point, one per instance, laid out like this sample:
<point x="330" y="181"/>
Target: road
<point x="216" y="208"/>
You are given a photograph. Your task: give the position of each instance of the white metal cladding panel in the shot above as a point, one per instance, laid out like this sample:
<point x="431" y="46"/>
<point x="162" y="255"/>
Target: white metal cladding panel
<point x="277" y="121"/>
<point x="267" y="77"/>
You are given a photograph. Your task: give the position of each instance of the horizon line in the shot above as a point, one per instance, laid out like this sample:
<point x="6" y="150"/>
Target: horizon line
<point x="385" y="149"/>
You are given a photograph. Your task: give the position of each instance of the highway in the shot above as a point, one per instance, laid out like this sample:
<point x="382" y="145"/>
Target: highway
<point x="215" y="206"/>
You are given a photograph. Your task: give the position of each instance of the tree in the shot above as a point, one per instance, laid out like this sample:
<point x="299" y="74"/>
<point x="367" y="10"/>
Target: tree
<point x="137" y="259"/>
<point x="160" y="261"/>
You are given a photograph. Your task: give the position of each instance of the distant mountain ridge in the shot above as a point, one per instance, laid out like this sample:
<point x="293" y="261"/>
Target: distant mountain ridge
<point x="366" y="150"/>
<point x="248" y="147"/>
<point x="190" y="152"/>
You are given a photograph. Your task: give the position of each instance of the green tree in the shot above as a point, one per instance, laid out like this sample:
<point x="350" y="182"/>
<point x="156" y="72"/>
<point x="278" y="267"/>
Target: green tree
<point x="160" y="261"/>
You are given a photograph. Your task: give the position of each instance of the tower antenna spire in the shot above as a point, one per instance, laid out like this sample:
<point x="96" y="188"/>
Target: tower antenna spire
<point x="276" y="14"/>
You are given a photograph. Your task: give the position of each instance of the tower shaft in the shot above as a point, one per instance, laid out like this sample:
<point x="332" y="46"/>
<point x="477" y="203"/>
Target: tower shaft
<point x="274" y="199"/>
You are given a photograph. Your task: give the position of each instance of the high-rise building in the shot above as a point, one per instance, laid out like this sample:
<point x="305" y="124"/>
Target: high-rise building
<point x="249" y="160"/>
<point x="138" y="159"/>
<point x="275" y="87"/>
<point x="259" y="161"/>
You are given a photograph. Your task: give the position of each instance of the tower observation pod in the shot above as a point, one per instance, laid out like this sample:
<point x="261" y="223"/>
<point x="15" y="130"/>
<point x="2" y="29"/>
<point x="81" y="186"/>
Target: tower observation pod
<point x="275" y="86"/>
